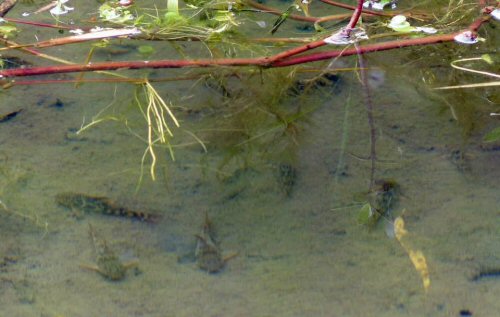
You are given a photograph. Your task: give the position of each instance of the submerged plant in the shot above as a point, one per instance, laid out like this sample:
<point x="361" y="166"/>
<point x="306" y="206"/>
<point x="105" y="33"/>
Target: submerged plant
<point x="213" y="34"/>
<point x="156" y="112"/>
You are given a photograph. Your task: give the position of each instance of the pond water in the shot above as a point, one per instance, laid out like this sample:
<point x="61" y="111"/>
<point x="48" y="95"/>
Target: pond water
<point x="279" y="160"/>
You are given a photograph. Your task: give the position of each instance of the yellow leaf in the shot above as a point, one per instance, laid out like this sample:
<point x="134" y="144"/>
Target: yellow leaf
<point x="416" y="257"/>
<point x="399" y="228"/>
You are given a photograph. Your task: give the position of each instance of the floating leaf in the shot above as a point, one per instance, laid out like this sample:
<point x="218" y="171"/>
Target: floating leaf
<point x="146" y="49"/>
<point x="467" y="37"/>
<point x="379" y="5"/>
<point x="399" y="24"/>
<point x="60" y="8"/>
<point x="493" y="135"/>
<point x="114" y="14"/>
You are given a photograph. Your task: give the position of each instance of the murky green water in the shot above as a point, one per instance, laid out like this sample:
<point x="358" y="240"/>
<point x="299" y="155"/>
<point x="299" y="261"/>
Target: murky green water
<point x="283" y="177"/>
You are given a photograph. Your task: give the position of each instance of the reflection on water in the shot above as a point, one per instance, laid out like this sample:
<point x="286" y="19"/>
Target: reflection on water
<point x="272" y="207"/>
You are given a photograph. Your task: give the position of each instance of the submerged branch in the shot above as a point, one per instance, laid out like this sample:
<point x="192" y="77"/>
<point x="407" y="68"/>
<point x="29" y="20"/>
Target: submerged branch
<point x="283" y="59"/>
<point x="279" y="60"/>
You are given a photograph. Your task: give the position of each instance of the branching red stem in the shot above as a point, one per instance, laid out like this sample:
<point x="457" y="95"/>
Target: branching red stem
<point x="350" y="7"/>
<point x="266" y="62"/>
<point x="267" y="9"/>
<point x="369" y="48"/>
<point x="296" y="17"/>
<point x="355" y="17"/>
<point x="283" y="59"/>
<point x="375" y="47"/>
<point x="45" y="25"/>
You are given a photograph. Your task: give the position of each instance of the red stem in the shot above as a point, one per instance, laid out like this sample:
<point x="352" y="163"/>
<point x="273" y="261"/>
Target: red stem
<point x="296" y="16"/>
<point x="295" y="51"/>
<point x="278" y="12"/>
<point x="375" y="47"/>
<point x="272" y="62"/>
<point x="355" y="17"/>
<point x="132" y="65"/>
<point x="350" y="7"/>
<point x="279" y="60"/>
<point x="45" y="25"/>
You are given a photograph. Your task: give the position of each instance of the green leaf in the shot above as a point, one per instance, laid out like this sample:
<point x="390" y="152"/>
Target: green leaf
<point x="146" y="49"/>
<point x="365" y="214"/>
<point x="172" y="18"/>
<point x="493" y="135"/>
<point x="282" y="18"/>
<point x="487" y="58"/>
<point x="7" y="30"/>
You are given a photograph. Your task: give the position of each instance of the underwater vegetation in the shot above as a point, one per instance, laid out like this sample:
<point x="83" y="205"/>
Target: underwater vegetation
<point x="382" y="199"/>
<point x="248" y="105"/>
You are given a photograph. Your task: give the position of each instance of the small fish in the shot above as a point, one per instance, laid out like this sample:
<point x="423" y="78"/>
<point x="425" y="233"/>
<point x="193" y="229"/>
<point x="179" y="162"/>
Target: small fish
<point x="101" y="205"/>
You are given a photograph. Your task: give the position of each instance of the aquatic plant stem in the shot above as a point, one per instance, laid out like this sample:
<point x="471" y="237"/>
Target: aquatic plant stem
<point x="355" y="18"/>
<point x="364" y="49"/>
<point x="369" y="113"/>
<point x="279" y="60"/>
<point x="45" y="25"/>
<point x="350" y="7"/>
<point x="296" y="17"/>
<point x="345" y="138"/>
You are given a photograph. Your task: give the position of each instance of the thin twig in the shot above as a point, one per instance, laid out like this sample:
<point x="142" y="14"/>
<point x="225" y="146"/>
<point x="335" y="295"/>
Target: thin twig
<point x="369" y="113"/>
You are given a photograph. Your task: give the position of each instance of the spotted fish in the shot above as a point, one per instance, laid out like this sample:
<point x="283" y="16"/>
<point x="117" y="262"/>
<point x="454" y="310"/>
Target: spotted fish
<point x="101" y="205"/>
